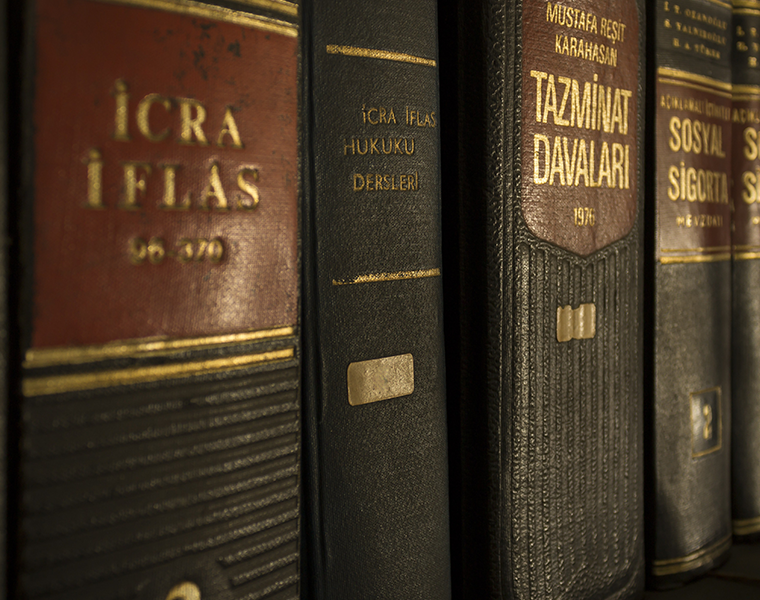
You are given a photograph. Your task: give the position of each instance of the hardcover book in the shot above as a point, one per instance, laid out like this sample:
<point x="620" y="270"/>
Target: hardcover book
<point x="689" y="290"/>
<point x="745" y="351"/>
<point x="159" y="440"/>
<point x="376" y="485"/>
<point x="543" y="179"/>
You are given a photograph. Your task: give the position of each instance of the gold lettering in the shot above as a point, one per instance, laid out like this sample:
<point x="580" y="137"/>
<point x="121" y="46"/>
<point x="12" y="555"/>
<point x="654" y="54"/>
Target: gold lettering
<point x="94" y="162"/>
<point x="249" y="188"/>
<point x="121" y="118"/>
<point x="191" y="125"/>
<point x="229" y="127"/>
<point x="169" y="201"/>
<point x="134" y="181"/>
<point x="143" y="114"/>
<point x="214" y="189"/>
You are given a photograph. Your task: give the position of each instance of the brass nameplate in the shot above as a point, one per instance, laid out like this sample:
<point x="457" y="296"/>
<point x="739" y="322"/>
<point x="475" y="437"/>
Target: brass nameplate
<point x="380" y="379"/>
<point x="576" y="323"/>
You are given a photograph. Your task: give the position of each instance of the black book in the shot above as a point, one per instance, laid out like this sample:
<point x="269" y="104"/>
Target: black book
<point x="745" y="350"/>
<point x="542" y="112"/>
<point x="376" y="480"/>
<point x="689" y="289"/>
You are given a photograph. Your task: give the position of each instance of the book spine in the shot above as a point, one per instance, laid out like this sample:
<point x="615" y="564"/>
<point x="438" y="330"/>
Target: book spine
<point x="548" y="187"/>
<point x="377" y="494"/>
<point x="160" y="428"/>
<point x="745" y="351"/>
<point x="690" y="290"/>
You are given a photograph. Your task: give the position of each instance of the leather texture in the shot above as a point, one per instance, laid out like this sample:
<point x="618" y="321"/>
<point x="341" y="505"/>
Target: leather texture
<point x="547" y="478"/>
<point x="376" y="495"/>
<point x="745" y="336"/>
<point x="168" y="466"/>
<point x="689" y="350"/>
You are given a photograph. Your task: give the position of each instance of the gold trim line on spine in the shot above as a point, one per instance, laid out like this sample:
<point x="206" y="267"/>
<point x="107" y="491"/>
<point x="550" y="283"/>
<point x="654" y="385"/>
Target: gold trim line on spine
<point x="746" y="255"/>
<point x="381" y="54"/>
<point x="694" y="86"/>
<point x="746" y="526"/>
<point x="218" y="13"/>
<point x="698" y="258"/>
<point x="379" y="277"/>
<point x="71" y="355"/>
<point x="698" y="249"/>
<point x="687" y="76"/>
<point x="61" y="384"/>
<point x="691" y="561"/>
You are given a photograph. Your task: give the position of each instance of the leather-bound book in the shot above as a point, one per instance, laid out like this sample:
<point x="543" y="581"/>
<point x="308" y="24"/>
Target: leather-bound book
<point x="542" y="116"/>
<point x="376" y="480"/>
<point x="159" y="419"/>
<point x="745" y="351"/>
<point x="688" y="345"/>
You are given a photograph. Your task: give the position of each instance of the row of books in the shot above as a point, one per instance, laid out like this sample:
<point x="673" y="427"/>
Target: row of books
<point x="347" y="300"/>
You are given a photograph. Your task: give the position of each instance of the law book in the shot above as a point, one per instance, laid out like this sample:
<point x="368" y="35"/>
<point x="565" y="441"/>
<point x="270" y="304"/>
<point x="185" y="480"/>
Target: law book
<point x="376" y="495"/>
<point x="159" y="427"/>
<point x="745" y="350"/>
<point x="542" y="116"/>
<point x="689" y="290"/>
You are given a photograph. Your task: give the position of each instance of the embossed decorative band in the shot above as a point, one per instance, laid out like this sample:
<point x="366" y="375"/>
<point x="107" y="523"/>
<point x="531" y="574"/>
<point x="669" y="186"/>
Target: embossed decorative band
<point x="381" y="54"/>
<point x="694" y="81"/>
<point x="60" y="384"/>
<point x="47" y="357"/>
<point x="576" y="323"/>
<point x="721" y="4"/>
<point x="691" y="561"/>
<point x="746" y="526"/>
<point x="399" y="276"/>
<point x="219" y="13"/>
<point x="380" y="379"/>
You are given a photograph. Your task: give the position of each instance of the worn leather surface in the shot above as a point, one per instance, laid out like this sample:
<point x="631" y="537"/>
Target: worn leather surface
<point x="689" y="351"/>
<point x="745" y="465"/>
<point x="377" y="495"/>
<point x="745" y="336"/>
<point x="128" y="490"/>
<point x="547" y="492"/>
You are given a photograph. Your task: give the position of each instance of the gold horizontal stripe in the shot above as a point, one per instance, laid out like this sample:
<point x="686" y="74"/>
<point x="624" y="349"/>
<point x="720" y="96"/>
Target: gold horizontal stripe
<point x="746" y="247"/>
<point x="746" y="4"/>
<point x="71" y="355"/>
<point x="746" y="526"/>
<point x="381" y="54"/>
<point x="746" y="255"/>
<point x="699" y="258"/>
<point x="741" y="98"/>
<point x="753" y="12"/>
<point x="219" y="13"/>
<point x="377" y="277"/>
<point x="688" y="76"/>
<point x="59" y="384"/>
<point x="690" y="561"/>
<point x="698" y="249"/>
<point x="721" y="4"/>
<point x="694" y="86"/>
<point x="746" y="89"/>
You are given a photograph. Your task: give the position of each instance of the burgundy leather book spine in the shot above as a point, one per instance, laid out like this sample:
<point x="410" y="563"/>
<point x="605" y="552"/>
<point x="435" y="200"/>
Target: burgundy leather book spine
<point x="160" y="452"/>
